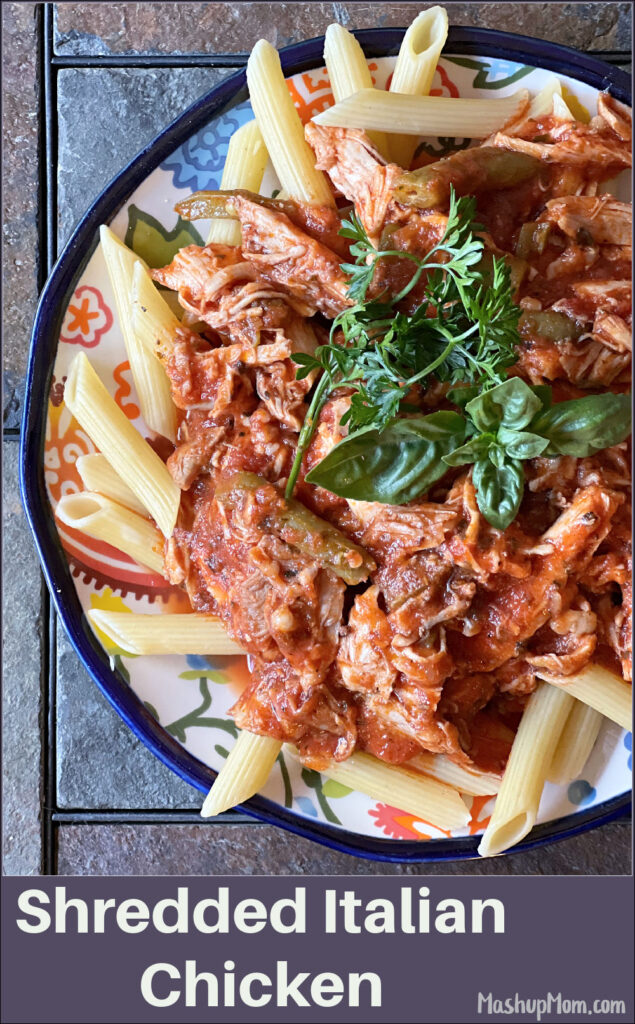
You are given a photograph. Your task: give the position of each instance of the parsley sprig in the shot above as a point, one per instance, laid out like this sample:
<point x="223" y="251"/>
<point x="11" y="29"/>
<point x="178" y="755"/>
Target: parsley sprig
<point x="464" y="330"/>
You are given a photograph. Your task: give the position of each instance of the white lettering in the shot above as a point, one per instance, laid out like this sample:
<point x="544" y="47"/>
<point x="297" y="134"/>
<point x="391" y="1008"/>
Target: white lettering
<point x="289" y="989"/>
<point x="354" y="984"/>
<point x="298" y="908"/>
<point x="221" y="906"/>
<point x="26" y="902"/>
<point x="132" y="916"/>
<point x="478" y="906"/>
<point x="380" y="916"/>
<point x="180" y="905"/>
<point x="450" y="917"/>
<point x="248" y="911"/>
<point x="327" y="989"/>
<point x="192" y="980"/>
<point x="62" y="905"/>
<point x="147" y="990"/>
<point x="244" y="989"/>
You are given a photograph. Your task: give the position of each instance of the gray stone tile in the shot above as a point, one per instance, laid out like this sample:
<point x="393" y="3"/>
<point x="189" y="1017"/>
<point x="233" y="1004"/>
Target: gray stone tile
<point x="105" y="119"/>
<point x="23" y="639"/>
<point x="262" y="849"/>
<point x="100" y="762"/>
<point x="82" y="28"/>
<point x="19" y="188"/>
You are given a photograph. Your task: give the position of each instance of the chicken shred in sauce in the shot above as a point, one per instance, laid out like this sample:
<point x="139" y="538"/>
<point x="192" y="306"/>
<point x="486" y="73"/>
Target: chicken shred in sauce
<point x="387" y="628"/>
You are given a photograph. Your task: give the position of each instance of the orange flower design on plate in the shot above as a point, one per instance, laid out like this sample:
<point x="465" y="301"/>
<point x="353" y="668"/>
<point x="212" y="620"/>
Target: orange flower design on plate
<point x="87" y="318"/>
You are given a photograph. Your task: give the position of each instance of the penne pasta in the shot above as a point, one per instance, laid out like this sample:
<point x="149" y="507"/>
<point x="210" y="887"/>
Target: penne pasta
<point x="244" y="168"/>
<point x="576" y="743"/>
<point x="444" y="770"/>
<point x="165" y="634"/>
<point x="348" y="71"/>
<point x="105" y="520"/>
<point x="282" y="129"/>
<point x="419" y="795"/>
<point x="127" y="451"/>
<point x="98" y="475"/>
<point x="244" y="773"/>
<point x="600" y="689"/>
<point x="542" y="103"/>
<point x="150" y="378"/>
<point x="154" y="323"/>
<point x="424" y="115"/>
<point x="416" y="64"/>
<point x="531" y="755"/>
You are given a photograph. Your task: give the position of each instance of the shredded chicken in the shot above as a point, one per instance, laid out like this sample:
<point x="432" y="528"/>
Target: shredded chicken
<point x="438" y="642"/>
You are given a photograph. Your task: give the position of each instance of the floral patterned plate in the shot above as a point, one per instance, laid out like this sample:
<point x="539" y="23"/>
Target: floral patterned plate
<point x="177" y="705"/>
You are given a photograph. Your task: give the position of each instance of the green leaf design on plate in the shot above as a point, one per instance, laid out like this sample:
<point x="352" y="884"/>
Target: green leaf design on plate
<point x="119" y="667"/>
<point x="288" y="792"/>
<point x="154" y="243"/>
<point x="314" y="781"/>
<point x="482" y="69"/>
<point x="334" y="789"/>
<point x="197" y="717"/>
<point x="197" y="673"/>
<point x="151" y="708"/>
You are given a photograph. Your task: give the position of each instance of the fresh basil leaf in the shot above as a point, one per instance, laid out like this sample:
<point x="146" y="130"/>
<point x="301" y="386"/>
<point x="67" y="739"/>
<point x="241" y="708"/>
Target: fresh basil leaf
<point x="392" y="465"/>
<point x="511" y="403"/>
<point x="521" y="444"/>
<point x="475" y="449"/>
<point x="462" y="394"/>
<point x="586" y="425"/>
<point x="544" y="392"/>
<point x="497" y="455"/>
<point x="499" y="491"/>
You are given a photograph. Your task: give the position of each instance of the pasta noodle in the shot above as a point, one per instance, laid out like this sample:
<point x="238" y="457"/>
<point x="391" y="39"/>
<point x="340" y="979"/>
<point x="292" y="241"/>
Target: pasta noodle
<point x="244" y="168"/>
<point x="98" y="475"/>
<point x="165" y="634"/>
<point x="532" y="751"/>
<point x="151" y="382"/>
<point x="154" y="322"/>
<point x="416" y="64"/>
<point x="128" y="452"/>
<point x="576" y="743"/>
<point x="243" y="774"/>
<point x="105" y="520"/>
<point x="424" y="115"/>
<point x="439" y="767"/>
<point x="348" y="71"/>
<point x="419" y="795"/>
<point x="600" y="689"/>
<point x="282" y="129"/>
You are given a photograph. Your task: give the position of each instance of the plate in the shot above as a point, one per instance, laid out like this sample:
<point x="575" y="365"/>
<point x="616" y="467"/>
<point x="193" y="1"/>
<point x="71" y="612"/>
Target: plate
<point x="178" y="705"/>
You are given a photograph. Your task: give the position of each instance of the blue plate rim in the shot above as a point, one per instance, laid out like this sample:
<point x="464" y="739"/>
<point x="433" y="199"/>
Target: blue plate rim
<point x="295" y="58"/>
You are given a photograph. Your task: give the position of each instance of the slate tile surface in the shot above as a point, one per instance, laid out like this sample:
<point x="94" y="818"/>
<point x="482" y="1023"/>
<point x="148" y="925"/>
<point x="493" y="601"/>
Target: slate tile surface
<point x="19" y="191"/>
<point x="127" y="28"/>
<point x="100" y="762"/>
<point x="262" y="849"/>
<point x="105" y="116"/>
<point x="22" y="648"/>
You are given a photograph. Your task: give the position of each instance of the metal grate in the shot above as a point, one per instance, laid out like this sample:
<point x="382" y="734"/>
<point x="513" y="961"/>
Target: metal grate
<point x="49" y="65"/>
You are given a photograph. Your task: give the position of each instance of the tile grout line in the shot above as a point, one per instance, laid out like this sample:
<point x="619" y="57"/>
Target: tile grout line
<point x="48" y="216"/>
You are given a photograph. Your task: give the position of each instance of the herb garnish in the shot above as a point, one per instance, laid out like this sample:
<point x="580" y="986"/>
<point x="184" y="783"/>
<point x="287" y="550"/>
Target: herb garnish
<point x="500" y="429"/>
<point x="464" y="332"/>
<point x="465" y="329"/>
